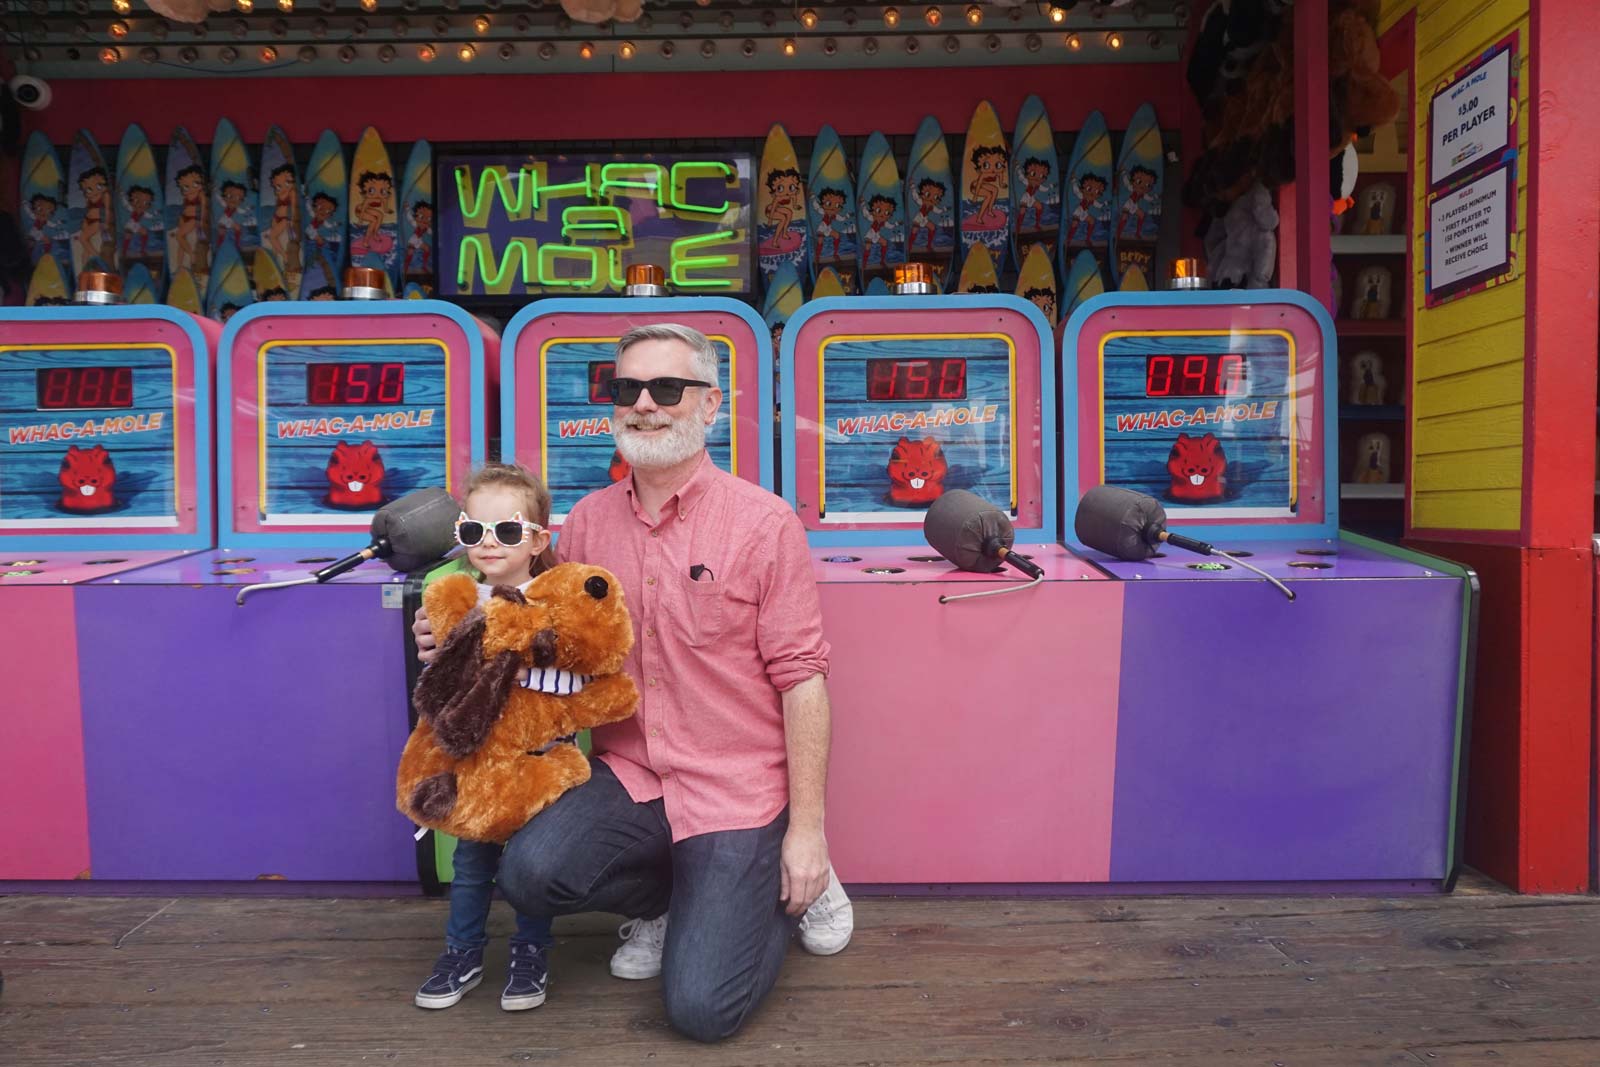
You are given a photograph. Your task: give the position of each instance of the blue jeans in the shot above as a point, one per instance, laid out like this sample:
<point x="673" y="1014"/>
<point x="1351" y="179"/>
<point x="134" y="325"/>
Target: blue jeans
<point x="594" y="849"/>
<point x="472" y="891"/>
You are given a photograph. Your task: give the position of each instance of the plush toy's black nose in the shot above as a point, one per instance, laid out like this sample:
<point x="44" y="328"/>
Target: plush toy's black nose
<point x="597" y="587"/>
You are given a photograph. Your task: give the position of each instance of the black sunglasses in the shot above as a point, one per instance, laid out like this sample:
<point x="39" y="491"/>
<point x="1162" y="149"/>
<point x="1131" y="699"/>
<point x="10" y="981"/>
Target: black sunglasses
<point x="664" y="391"/>
<point x="508" y="533"/>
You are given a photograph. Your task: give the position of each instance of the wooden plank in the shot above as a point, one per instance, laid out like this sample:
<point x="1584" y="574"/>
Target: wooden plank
<point x="1500" y="342"/>
<point x="1503" y="303"/>
<point x="1494" y="427"/>
<point x="1449" y="33"/>
<point x="1470" y="509"/>
<point x="1483" y="468"/>
<point x="1473" y="390"/>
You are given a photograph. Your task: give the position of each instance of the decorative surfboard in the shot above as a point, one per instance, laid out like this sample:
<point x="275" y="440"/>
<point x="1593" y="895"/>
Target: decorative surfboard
<point x="1036" y="281"/>
<point x="784" y="297"/>
<point x="781" y="233"/>
<point x="1134" y="281"/>
<point x="230" y="284"/>
<point x="139" y="286"/>
<point x="878" y="287"/>
<point x="374" y="218"/>
<point x="282" y="214"/>
<point x="1086" y="195"/>
<point x="1035" y="184"/>
<point x="327" y="185"/>
<point x="1084" y="280"/>
<point x="416" y="218"/>
<point x="986" y="186"/>
<point x="188" y="209"/>
<point x="233" y="199"/>
<point x="184" y="294"/>
<point x="880" y="212"/>
<point x="977" y="272"/>
<point x="831" y="210"/>
<point x="1137" y="226"/>
<point x="48" y="285"/>
<point x="91" y="217"/>
<point x="268" y="277"/>
<point x="319" y="282"/>
<point x="828" y="284"/>
<point x="141" y="221"/>
<point x="930" y="200"/>
<point x="44" y="203"/>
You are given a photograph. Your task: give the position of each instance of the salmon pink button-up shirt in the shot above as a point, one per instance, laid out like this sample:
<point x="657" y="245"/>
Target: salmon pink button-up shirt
<point x="712" y="656"/>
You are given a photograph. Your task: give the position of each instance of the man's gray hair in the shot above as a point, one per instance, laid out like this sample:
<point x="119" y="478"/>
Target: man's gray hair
<point x="705" y="354"/>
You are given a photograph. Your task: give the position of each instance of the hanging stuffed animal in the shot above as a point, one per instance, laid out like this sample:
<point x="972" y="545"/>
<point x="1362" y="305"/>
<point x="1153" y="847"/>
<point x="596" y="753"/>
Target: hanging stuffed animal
<point x="1250" y="242"/>
<point x="488" y="754"/>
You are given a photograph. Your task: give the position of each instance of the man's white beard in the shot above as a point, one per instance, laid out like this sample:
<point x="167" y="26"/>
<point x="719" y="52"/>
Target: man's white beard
<point x="685" y="436"/>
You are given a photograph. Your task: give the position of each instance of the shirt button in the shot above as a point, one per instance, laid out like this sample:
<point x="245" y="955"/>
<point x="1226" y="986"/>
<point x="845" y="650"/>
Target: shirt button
<point x="649" y="581"/>
<point x="665" y="775"/>
<point x="649" y="632"/>
<point x="652" y="683"/>
<point x="655" y="733"/>
<point x="655" y="533"/>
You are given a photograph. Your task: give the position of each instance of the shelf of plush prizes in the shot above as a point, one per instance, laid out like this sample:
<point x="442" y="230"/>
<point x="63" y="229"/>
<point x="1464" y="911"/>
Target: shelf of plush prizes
<point x="1371" y="297"/>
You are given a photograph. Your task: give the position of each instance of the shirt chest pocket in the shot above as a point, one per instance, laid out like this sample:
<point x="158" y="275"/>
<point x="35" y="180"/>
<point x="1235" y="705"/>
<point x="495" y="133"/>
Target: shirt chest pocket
<point x="707" y="610"/>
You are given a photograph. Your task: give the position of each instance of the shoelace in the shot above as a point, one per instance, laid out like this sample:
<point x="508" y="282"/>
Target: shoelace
<point x="628" y="929"/>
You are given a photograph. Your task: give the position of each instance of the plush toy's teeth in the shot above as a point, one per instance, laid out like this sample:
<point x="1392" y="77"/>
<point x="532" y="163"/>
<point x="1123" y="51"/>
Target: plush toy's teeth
<point x="355" y="487"/>
<point x="917" y="483"/>
<point x="86" y="490"/>
<point x="1197" y="479"/>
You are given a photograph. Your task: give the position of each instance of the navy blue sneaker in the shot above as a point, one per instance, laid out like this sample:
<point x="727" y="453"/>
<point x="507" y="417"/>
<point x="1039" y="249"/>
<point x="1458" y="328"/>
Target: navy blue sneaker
<point x="526" y="979"/>
<point x="455" y="974"/>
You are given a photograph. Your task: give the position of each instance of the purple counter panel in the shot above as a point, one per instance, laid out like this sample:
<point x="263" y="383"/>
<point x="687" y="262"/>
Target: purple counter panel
<point x="967" y="748"/>
<point x="1264" y="740"/>
<point x="235" y="743"/>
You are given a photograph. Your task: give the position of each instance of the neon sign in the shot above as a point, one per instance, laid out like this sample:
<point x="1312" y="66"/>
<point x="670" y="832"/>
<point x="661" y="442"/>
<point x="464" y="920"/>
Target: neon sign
<point x="518" y="225"/>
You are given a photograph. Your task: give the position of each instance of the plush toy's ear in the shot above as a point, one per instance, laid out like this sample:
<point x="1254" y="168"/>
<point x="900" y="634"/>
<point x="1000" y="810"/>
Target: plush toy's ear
<point x="464" y="723"/>
<point x="460" y="694"/>
<point x="446" y="677"/>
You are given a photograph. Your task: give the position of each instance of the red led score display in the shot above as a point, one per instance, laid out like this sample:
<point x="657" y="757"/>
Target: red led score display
<point x="84" y="387"/>
<point x="1213" y="374"/>
<point x="355" y="383"/>
<point x="917" y="379"/>
<point x="600" y="375"/>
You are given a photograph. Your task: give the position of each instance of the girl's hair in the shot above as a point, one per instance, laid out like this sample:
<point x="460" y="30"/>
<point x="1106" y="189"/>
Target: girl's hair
<point x="535" y="501"/>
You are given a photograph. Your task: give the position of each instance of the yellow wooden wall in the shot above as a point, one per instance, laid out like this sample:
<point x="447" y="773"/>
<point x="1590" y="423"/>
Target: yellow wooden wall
<point x="1465" y="403"/>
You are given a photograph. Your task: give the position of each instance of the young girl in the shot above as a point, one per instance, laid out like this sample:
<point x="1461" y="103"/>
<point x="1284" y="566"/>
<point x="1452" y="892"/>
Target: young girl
<point x="502" y="528"/>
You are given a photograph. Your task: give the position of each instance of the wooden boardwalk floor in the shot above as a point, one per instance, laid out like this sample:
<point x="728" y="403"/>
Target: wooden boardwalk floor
<point x="1479" y="978"/>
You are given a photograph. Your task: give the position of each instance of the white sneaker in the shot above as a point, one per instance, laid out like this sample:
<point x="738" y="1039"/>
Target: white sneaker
<point x="640" y="954"/>
<point x="827" y="925"/>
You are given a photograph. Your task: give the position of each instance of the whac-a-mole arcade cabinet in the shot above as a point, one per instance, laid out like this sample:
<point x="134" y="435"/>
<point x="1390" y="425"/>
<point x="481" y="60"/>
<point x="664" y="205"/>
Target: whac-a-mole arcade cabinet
<point x="947" y="734"/>
<point x="285" y="712"/>
<point x="105" y="468"/>
<point x="1261" y="739"/>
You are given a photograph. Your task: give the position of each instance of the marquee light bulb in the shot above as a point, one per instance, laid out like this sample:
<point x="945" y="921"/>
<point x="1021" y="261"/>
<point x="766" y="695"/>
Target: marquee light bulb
<point x="974" y="15"/>
<point x="891" y="17"/>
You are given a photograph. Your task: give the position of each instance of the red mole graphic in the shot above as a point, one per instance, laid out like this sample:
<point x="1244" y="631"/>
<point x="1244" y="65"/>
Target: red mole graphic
<point x="916" y="471"/>
<point x="87" y="475"/>
<point x="355" y="476"/>
<point x="1196" y="465"/>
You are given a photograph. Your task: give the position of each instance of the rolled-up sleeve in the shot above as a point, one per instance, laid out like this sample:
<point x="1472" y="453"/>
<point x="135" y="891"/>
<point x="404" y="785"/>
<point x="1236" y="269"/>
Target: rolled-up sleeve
<point x="789" y="619"/>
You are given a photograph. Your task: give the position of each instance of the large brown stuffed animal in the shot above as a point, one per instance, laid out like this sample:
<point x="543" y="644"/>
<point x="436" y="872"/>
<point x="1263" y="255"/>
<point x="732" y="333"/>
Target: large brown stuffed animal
<point x="481" y="762"/>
